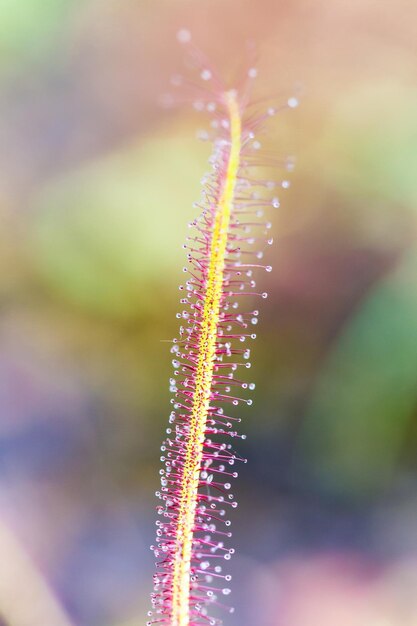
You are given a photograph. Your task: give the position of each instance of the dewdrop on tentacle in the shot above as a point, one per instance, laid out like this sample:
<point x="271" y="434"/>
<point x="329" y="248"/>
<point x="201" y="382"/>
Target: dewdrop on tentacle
<point x="211" y="357"/>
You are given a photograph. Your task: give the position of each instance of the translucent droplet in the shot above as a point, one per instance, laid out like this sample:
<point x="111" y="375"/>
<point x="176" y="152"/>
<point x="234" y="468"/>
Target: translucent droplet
<point x="205" y="74"/>
<point x="293" y="102"/>
<point x="183" y="35"/>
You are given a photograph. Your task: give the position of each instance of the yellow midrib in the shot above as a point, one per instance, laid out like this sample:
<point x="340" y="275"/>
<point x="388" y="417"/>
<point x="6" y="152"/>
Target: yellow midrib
<point x="204" y="376"/>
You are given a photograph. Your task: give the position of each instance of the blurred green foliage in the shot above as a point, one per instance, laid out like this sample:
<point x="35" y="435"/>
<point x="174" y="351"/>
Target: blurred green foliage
<point x="371" y="139"/>
<point x="29" y="29"/>
<point x="100" y="237"/>
<point x="364" y="400"/>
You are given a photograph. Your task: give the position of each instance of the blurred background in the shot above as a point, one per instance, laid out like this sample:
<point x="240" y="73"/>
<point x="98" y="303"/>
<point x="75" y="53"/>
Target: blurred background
<point x="97" y="186"/>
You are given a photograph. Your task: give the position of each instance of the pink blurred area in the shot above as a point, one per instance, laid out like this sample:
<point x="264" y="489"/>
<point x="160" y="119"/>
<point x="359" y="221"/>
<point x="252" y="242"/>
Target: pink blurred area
<point x="97" y="182"/>
<point x="342" y="588"/>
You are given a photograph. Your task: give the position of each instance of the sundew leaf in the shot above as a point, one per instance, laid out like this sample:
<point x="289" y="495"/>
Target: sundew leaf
<point x="96" y="237"/>
<point x="366" y="391"/>
<point x="211" y="354"/>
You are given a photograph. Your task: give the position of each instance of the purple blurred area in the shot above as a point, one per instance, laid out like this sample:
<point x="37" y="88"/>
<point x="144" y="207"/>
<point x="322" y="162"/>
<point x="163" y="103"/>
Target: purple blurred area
<point x="97" y="183"/>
